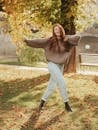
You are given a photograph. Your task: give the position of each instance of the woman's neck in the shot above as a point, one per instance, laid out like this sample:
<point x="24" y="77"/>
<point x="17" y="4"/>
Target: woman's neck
<point x="58" y="37"/>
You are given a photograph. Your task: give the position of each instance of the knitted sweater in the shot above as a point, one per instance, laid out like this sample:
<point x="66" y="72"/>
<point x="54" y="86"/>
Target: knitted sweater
<point x="59" y="57"/>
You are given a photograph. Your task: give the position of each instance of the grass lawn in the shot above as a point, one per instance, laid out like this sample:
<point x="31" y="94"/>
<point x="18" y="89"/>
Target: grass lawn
<point x="20" y="94"/>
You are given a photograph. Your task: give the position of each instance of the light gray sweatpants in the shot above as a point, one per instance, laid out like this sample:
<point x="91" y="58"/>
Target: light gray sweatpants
<point x="56" y="78"/>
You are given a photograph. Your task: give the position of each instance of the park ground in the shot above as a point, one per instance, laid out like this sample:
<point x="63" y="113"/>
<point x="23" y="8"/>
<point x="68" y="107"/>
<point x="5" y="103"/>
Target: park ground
<point x="20" y="94"/>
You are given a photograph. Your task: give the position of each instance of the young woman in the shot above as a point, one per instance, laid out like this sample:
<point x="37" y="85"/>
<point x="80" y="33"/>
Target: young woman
<point x="57" y="51"/>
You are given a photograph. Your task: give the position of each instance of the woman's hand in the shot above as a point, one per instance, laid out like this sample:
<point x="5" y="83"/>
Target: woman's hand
<point x="24" y="39"/>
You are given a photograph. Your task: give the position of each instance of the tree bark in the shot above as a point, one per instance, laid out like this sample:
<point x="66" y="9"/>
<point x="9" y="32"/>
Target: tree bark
<point x="69" y="27"/>
<point x="66" y="20"/>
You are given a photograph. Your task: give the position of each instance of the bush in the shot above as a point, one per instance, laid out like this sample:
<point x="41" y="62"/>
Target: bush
<point x="30" y="56"/>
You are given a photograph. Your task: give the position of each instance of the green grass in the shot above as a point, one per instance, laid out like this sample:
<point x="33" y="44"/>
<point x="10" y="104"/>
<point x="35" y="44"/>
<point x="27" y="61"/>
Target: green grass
<point x="35" y="64"/>
<point x="20" y="94"/>
<point x="10" y="62"/>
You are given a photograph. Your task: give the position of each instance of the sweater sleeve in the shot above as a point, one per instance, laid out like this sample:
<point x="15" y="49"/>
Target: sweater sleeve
<point x="37" y="43"/>
<point x="73" y="40"/>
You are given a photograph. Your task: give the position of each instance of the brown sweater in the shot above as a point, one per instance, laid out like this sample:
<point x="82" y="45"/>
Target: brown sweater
<point x="59" y="57"/>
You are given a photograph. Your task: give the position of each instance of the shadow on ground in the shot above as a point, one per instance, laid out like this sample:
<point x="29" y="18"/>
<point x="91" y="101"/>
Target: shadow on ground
<point x="62" y="118"/>
<point x="34" y="124"/>
<point x="53" y="116"/>
<point x="12" y="89"/>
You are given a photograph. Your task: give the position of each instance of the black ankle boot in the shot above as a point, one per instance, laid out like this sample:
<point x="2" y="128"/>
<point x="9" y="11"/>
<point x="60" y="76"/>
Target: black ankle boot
<point x="41" y="104"/>
<point x="67" y="107"/>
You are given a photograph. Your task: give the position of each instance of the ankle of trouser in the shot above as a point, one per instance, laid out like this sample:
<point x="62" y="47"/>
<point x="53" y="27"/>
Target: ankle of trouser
<point x="66" y="100"/>
<point x="43" y="100"/>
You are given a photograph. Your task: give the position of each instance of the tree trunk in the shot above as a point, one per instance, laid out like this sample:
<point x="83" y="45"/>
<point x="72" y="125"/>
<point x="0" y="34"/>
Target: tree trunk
<point x="67" y="16"/>
<point x="67" y="21"/>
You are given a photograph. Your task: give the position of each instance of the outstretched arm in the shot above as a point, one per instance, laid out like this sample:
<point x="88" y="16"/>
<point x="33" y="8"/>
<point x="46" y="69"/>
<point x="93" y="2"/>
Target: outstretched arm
<point x="37" y="43"/>
<point x="74" y="39"/>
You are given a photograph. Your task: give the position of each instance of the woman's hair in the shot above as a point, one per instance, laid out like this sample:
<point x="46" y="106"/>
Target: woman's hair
<point x="62" y="32"/>
<point x="53" y="40"/>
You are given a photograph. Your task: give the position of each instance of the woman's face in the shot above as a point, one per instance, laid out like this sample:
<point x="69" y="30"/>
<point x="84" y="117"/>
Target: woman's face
<point x="57" y="31"/>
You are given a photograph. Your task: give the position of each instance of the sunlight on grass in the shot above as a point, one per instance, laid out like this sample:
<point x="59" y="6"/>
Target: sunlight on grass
<point x="20" y="94"/>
